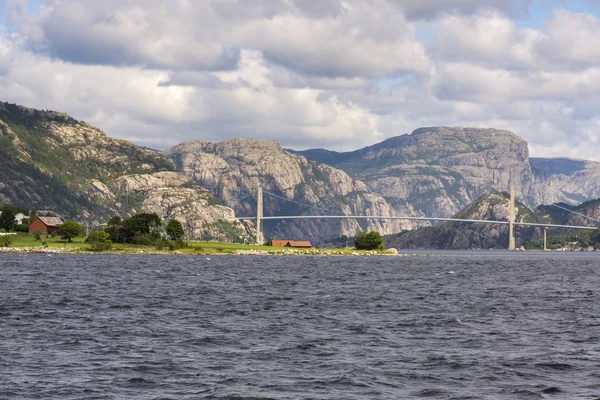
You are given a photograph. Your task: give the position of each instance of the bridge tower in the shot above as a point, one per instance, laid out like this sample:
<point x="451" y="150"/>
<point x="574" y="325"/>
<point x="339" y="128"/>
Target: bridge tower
<point x="511" y="219"/>
<point x="259" y="215"/>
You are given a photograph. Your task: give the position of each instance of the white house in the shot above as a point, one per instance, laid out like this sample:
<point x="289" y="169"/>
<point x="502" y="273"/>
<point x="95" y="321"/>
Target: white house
<point x="19" y="217"/>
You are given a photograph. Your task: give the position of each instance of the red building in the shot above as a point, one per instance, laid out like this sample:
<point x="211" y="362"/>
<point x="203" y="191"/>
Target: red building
<point x="291" y="243"/>
<point x="45" y="225"/>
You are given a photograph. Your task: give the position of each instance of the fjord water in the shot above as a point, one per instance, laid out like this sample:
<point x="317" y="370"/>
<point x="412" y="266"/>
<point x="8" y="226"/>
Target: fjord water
<point x="456" y="326"/>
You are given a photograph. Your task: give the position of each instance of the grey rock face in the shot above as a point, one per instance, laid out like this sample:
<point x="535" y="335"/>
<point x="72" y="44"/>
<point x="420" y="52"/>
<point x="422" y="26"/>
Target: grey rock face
<point x="564" y="180"/>
<point x="51" y="161"/>
<point x="439" y="170"/>
<point x="234" y="169"/>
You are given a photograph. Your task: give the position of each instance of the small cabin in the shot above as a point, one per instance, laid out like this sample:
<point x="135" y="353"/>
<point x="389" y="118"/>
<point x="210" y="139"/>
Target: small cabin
<point x="302" y="244"/>
<point x="45" y="225"/>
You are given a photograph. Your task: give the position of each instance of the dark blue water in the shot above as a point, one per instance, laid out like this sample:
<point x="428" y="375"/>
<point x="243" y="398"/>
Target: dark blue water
<point x="484" y="326"/>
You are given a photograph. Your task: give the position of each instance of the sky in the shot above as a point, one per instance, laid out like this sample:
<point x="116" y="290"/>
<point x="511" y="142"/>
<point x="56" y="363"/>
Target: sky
<point x="336" y="74"/>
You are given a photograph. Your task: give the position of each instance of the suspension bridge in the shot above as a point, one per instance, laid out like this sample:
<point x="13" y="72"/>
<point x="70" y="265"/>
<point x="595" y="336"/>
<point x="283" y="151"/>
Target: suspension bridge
<point x="511" y="218"/>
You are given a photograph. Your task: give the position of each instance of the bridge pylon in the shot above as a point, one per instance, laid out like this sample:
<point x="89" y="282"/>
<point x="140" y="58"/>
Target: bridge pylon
<point x="259" y="216"/>
<point x="511" y="219"/>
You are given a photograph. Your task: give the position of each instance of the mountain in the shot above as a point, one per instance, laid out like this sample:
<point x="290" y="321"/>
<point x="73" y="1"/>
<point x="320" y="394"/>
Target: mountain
<point x="439" y="170"/>
<point x="50" y="161"/>
<point x="467" y="235"/>
<point x="293" y="185"/>
<point x="494" y="207"/>
<point x="584" y="214"/>
<point x="565" y="180"/>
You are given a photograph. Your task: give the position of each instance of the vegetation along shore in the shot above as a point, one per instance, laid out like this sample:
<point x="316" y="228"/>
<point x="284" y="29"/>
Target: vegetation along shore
<point x="26" y="243"/>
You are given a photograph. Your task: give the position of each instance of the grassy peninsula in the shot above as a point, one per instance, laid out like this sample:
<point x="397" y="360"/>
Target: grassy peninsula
<point x="23" y="242"/>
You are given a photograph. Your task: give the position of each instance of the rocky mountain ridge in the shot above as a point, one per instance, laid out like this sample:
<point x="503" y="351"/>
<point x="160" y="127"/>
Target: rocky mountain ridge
<point x="439" y="170"/>
<point x="53" y="162"/>
<point x="235" y="168"/>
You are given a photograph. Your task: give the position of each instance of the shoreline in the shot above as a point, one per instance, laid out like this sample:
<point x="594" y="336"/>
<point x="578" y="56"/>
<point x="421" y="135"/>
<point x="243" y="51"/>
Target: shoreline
<point x="199" y="252"/>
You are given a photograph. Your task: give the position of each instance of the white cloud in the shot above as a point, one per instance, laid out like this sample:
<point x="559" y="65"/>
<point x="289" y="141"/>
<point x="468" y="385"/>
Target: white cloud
<point x="136" y="103"/>
<point x="490" y="39"/>
<point x="572" y="41"/>
<point x="6" y="54"/>
<point x="334" y="73"/>
<point x="366" y="39"/>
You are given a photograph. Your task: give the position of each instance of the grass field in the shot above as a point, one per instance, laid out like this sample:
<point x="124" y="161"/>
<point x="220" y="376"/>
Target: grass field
<point x="24" y="240"/>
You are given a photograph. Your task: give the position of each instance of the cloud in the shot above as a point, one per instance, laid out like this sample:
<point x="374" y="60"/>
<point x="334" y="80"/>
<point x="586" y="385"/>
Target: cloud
<point x="140" y="104"/>
<point x="320" y="38"/>
<point x="333" y="73"/>
<point x="155" y="34"/>
<point x="572" y="41"/>
<point x="369" y="39"/>
<point x="428" y="9"/>
<point x="490" y="39"/>
<point x="6" y="54"/>
<point x="473" y="83"/>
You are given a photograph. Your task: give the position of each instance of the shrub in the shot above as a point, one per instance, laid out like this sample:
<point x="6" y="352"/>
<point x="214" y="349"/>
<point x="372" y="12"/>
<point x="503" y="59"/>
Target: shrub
<point x="5" y="241"/>
<point x="369" y="241"/>
<point x="37" y="236"/>
<point x="22" y="228"/>
<point x="99" y="241"/>
<point x="145" y="239"/>
<point x="178" y="244"/>
<point x="53" y="234"/>
<point x="162" y="244"/>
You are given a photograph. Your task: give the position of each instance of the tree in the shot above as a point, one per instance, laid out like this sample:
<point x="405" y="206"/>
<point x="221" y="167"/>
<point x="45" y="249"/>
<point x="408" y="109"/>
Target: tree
<point x="175" y="229"/>
<point x="369" y="241"/>
<point x="114" y="229"/>
<point x="144" y="225"/>
<point x="99" y="241"/>
<point x="70" y="230"/>
<point x="7" y="218"/>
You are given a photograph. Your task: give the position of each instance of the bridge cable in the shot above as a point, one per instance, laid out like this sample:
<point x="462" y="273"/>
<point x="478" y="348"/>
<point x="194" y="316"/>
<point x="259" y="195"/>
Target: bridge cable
<point x="299" y="203"/>
<point x="575" y="212"/>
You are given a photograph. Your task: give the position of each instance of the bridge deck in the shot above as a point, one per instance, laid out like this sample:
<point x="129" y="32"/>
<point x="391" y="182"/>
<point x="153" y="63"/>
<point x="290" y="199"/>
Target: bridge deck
<point x="477" y="221"/>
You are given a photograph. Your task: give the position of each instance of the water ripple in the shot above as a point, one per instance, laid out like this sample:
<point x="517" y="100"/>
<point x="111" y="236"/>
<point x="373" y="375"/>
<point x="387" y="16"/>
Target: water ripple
<point x="154" y="327"/>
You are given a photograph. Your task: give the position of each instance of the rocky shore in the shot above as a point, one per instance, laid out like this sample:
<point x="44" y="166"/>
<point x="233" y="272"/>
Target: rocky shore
<point x="285" y="252"/>
<point x="41" y="250"/>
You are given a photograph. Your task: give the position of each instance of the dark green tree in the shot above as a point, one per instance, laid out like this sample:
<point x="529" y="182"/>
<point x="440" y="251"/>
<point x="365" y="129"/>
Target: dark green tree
<point x="141" y="226"/>
<point x="175" y="229"/>
<point x="70" y="230"/>
<point x="369" y="241"/>
<point x="114" y="229"/>
<point x="7" y="218"/>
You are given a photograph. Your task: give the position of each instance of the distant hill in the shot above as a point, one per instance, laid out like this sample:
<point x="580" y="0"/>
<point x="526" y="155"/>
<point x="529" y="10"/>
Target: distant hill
<point x="494" y="207"/>
<point x="467" y="235"/>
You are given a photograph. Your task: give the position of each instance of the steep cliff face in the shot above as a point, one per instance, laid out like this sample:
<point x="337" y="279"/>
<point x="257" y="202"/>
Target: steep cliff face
<point x="53" y="162"/>
<point x="439" y="170"/>
<point x="565" y="180"/>
<point x="234" y="169"/>
<point x="466" y="235"/>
